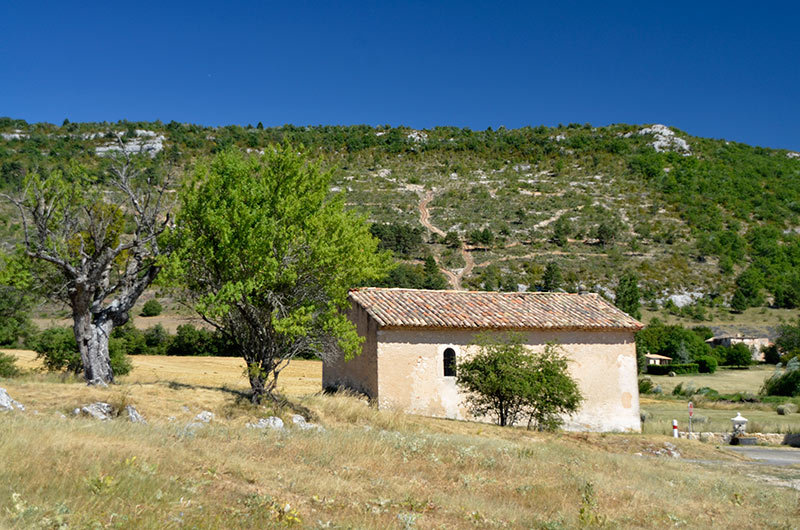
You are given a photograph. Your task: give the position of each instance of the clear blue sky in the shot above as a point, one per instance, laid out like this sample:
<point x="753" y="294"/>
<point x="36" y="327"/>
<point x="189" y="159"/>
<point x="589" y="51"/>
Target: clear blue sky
<point x="719" y="69"/>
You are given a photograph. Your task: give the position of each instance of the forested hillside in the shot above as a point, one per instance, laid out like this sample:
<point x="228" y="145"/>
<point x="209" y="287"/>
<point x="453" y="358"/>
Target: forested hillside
<point x="704" y="224"/>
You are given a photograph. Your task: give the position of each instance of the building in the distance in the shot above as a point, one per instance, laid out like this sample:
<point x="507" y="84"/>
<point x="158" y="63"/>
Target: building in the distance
<point x="414" y="338"/>
<point x="754" y="343"/>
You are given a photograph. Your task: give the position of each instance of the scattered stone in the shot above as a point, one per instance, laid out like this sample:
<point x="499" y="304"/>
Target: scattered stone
<point x="185" y="408"/>
<point x="7" y="403"/>
<point x="301" y="423"/>
<point x="134" y="416"/>
<point x="201" y="420"/>
<point x="206" y="416"/>
<point x="98" y="410"/>
<point x="272" y="422"/>
<point x="672" y="374"/>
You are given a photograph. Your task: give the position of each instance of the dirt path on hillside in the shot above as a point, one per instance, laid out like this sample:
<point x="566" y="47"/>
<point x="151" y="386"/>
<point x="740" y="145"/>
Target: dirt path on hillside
<point x="424" y="218"/>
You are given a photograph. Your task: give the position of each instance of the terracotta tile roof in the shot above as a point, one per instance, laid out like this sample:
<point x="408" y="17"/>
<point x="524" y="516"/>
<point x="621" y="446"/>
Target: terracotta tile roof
<point x="489" y="310"/>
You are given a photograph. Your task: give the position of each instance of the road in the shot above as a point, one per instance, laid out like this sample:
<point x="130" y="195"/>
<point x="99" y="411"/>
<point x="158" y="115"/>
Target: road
<point x="769" y="455"/>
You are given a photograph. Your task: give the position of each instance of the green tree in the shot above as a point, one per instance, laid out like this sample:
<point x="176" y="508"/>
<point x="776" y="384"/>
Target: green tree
<point x="561" y="231"/>
<point x="433" y="277"/>
<point x="627" y="296"/>
<point x="152" y="308"/>
<point x="508" y="382"/>
<point x="15" y="300"/>
<point x="552" y="279"/>
<point x="738" y="355"/>
<point x="267" y="258"/>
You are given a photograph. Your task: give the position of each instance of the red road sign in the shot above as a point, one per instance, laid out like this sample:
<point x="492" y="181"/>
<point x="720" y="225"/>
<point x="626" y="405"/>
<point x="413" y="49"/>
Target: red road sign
<point x="691" y="409"/>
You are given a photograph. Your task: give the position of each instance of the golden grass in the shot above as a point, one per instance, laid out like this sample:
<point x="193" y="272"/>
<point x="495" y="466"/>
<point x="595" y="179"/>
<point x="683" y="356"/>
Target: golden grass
<point x="368" y="469"/>
<point x="724" y="381"/>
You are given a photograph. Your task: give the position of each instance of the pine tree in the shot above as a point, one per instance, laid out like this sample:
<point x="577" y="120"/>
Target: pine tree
<point x="627" y="295"/>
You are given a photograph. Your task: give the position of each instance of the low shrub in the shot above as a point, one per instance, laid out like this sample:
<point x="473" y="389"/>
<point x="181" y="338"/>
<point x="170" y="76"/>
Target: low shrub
<point x="152" y="308"/>
<point x="664" y="369"/>
<point x="59" y="352"/>
<point x="687" y="389"/>
<point x="8" y="365"/>
<point x="706" y="364"/>
<point x="646" y="385"/>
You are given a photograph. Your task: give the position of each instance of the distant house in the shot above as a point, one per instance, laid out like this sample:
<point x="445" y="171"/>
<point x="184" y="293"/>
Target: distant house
<point x="754" y="343"/>
<point x="415" y="338"/>
<point x="654" y="358"/>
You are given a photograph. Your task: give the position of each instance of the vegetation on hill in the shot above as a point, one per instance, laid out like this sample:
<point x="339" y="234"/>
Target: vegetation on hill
<point x="711" y="220"/>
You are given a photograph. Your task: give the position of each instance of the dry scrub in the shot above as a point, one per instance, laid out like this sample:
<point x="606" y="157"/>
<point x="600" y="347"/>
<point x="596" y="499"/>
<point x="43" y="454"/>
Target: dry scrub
<point x="368" y="469"/>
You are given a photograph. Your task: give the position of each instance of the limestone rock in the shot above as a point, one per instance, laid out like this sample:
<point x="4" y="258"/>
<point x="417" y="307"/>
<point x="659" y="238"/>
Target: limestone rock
<point x="205" y="417"/>
<point x="201" y="420"/>
<point x="7" y="403"/>
<point x="272" y="422"/>
<point x="98" y="410"/>
<point x="134" y="416"/>
<point x="301" y="423"/>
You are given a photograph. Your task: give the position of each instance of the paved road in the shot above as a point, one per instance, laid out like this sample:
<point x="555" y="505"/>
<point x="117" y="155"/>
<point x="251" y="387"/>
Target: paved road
<point x="770" y="456"/>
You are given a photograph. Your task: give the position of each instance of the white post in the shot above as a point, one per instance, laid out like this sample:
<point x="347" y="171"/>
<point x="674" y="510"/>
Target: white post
<point x="674" y="428"/>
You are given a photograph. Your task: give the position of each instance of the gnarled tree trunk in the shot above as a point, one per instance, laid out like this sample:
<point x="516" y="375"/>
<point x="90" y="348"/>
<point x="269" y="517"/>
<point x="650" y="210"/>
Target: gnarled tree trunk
<point x="92" y="337"/>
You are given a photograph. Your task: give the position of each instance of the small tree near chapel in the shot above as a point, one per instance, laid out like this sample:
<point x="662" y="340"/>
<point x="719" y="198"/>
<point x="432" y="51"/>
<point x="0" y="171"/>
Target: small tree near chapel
<point x="507" y="381"/>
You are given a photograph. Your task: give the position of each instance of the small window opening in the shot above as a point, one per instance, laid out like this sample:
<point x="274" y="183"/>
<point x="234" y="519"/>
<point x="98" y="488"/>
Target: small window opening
<point x="449" y="362"/>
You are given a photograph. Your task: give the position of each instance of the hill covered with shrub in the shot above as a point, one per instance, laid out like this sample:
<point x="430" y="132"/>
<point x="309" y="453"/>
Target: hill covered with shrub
<point x="703" y="223"/>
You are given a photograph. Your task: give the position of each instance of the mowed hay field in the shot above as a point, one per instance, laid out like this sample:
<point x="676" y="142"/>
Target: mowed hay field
<point x="366" y="469"/>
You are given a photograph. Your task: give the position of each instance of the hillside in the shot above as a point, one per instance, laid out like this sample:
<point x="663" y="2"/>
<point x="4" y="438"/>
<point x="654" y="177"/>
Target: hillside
<point x="697" y="219"/>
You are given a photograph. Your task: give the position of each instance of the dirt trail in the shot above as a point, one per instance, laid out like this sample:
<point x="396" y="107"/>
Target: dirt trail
<point x="424" y="215"/>
<point x="469" y="263"/>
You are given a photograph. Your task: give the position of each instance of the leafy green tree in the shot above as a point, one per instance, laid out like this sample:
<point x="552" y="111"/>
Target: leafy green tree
<point x="552" y="279"/>
<point x="739" y="301"/>
<point x="748" y="284"/>
<point x="433" y="277"/>
<point x="738" y="355"/>
<point x="152" y="308"/>
<point x="508" y="382"/>
<point x="97" y="244"/>
<point x="562" y="229"/>
<point x="627" y="296"/>
<point x="452" y="240"/>
<point x="402" y="239"/>
<point x="267" y="258"/>
<point x="606" y="233"/>
<point x="15" y="300"/>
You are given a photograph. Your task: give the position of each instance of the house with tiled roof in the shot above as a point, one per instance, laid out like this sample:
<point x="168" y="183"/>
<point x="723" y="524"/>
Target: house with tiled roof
<point x="415" y="338"/>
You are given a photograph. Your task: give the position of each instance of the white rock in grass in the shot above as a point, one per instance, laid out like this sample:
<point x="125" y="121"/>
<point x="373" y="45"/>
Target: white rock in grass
<point x="301" y="423"/>
<point x="134" y="416"/>
<point x="99" y="411"/>
<point x="206" y="416"/>
<point x="272" y="422"/>
<point x="7" y="403"/>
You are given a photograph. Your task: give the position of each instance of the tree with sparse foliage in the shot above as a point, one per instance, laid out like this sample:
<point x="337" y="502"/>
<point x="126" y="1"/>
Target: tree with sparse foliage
<point x="99" y="240"/>
<point x="267" y="257"/>
<point x="627" y="296"/>
<point x="508" y="382"/>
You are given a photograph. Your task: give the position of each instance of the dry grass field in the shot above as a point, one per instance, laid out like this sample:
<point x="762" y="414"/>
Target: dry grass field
<point x="367" y="469"/>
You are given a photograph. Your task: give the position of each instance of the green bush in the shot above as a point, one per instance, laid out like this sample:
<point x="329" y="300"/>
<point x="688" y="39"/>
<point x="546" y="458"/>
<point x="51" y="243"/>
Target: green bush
<point x="664" y="369"/>
<point x="59" y="352"/>
<point x="646" y="385"/>
<point x="706" y="364"/>
<point x="152" y="308"/>
<point x="737" y="355"/>
<point x="785" y="381"/>
<point x="8" y="365"/>
<point x="198" y="341"/>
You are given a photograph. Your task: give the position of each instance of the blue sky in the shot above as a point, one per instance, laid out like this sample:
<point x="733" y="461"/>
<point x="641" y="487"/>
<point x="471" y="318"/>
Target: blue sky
<point x="723" y="70"/>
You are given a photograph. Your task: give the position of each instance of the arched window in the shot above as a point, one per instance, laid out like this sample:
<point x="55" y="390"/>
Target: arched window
<point x="449" y="362"/>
